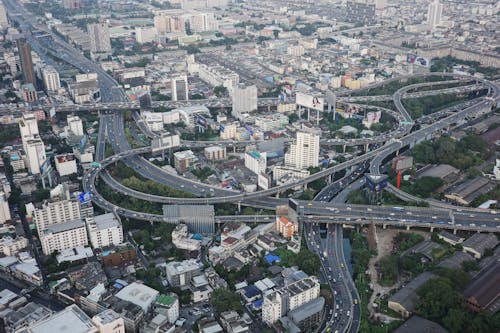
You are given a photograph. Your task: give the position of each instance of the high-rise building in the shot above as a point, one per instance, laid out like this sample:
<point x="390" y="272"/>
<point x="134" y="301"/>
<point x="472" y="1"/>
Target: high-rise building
<point x="361" y="12"/>
<point x="4" y="208"/>
<point x="244" y="100"/>
<point x="180" y="88"/>
<point x="99" y="37"/>
<point x="4" y="21"/>
<point x="50" y="78"/>
<point x="53" y="212"/>
<point x="256" y="162"/>
<point x="28" y="127"/>
<point x="72" y="4"/>
<point x="29" y="93"/>
<point x="200" y="22"/>
<point x="278" y="303"/>
<point x="35" y="155"/>
<point x="169" y="21"/>
<point x="434" y="14"/>
<point x="75" y="126"/>
<point x="146" y="35"/>
<point x="62" y="236"/>
<point x="304" y="151"/>
<point x="104" y="230"/>
<point x="26" y="60"/>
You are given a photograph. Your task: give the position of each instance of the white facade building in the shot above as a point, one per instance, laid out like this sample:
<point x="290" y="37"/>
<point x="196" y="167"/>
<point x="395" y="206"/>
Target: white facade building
<point x="434" y="14"/>
<point x="256" y="162"/>
<point x="50" y="78"/>
<point x="62" y="236"/>
<point x="219" y="76"/>
<point x="180" y="88"/>
<point x="11" y="246"/>
<point x="75" y="126"/>
<point x="278" y="303"/>
<point x="4" y="21"/>
<point x="35" y="155"/>
<point x="109" y="321"/>
<point x="244" y="100"/>
<point x="146" y="35"/>
<point x="28" y="127"/>
<point x="99" y="37"/>
<point x="4" y="208"/>
<point x="56" y="212"/>
<point x="304" y="151"/>
<point x="104" y="230"/>
<point x="183" y="240"/>
<point x="65" y="164"/>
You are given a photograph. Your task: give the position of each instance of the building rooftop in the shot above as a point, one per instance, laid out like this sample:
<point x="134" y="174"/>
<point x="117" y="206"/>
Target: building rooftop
<point x="421" y="325"/>
<point x="106" y="221"/>
<point x="306" y="310"/>
<point x="166" y="300"/>
<point x="70" y="320"/>
<point x="65" y="226"/>
<point x="485" y="289"/>
<point x="107" y="316"/>
<point x="407" y="296"/>
<point x="480" y="242"/>
<point x="138" y="294"/>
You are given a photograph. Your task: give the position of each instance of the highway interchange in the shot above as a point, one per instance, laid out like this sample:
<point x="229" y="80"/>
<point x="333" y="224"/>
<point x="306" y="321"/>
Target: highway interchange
<point x="439" y="216"/>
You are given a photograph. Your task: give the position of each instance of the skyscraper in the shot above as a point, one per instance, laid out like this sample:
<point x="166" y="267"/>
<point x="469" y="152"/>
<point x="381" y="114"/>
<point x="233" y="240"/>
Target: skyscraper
<point x="28" y="127"/>
<point x="244" y="100"/>
<point x="26" y="60"/>
<point x="180" y="89"/>
<point x="434" y="14"/>
<point x="99" y="37"/>
<point x="50" y="78"/>
<point x="304" y="151"/>
<point x="4" y="21"/>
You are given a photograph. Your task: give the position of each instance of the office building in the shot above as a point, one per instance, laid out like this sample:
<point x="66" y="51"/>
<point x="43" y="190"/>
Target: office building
<point x="215" y="153"/>
<point x="35" y="155"/>
<point x="4" y="208"/>
<point x="99" y="37"/>
<point x="304" y="151"/>
<point x="434" y="13"/>
<point x="70" y="320"/>
<point x="361" y="12"/>
<point x="180" y="273"/>
<point x="50" y="78"/>
<point x="26" y="61"/>
<point x="28" y="127"/>
<point x="199" y="218"/>
<point x="62" y="236"/>
<point x="146" y="35"/>
<point x="109" y="321"/>
<point x="256" y="162"/>
<point x="65" y="164"/>
<point x="75" y="126"/>
<point x="140" y="295"/>
<point x="219" y="76"/>
<point x="167" y="21"/>
<point x="180" y="88"/>
<point x="104" y="230"/>
<point x="278" y="303"/>
<point x="201" y="22"/>
<point x="306" y="317"/>
<point x="85" y="89"/>
<point x="4" y="21"/>
<point x="52" y="212"/>
<point x="244" y="100"/>
<point x="168" y="305"/>
<point x="184" y="161"/>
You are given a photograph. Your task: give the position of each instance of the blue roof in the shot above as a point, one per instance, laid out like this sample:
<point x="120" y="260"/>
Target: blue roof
<point x="197" y="236"/>
<point x="258" y="303"/>
<point x="251" y="291"/>
<point x="271" y="258"/>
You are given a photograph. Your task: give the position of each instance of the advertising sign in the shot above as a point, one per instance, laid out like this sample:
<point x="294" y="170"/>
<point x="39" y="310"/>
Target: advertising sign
<point x="310" y="101"/>
<point x="373" y="117"/>
<point x="84" y="197"/>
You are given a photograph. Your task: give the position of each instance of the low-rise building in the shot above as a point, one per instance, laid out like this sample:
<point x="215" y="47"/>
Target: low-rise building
<point x="139" y="294"/>
<point x="215" y="153"/>
<point x="11" y="246"/>
<point x="419" y="324"/>
<point x="180" y="273"/>
<point x="183" y="240"/>
<point x="483" y="293"/>
<point x="478" y="243"/>
<point x="406" y="299"/>
<point x="285" y="227"/>
<point x="168" y="305"/>
<point x="184" y="161"/>
<point x="65" y="164"/>
<point x="109" y="321"/>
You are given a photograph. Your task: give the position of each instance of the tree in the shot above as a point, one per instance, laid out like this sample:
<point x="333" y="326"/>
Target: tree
<point x="220" y="91"/>
<point x="470" y="265"/>
<point x="225" y="300"/>
<point x="437" y="296"/>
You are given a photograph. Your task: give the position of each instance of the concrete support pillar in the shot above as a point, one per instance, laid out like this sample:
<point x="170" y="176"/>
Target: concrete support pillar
<point x="234" y="149"/>
<point x="367" y="146"/>
<point x="299" y="112"/>
<point x="384" y="226"/>
<point x="407" y="227"/>
<point x="344" y="148"/>
<point x="277" y="194"/>
<point x="454" y="231"/>
<point x="432" y="229"/>
<point x="317" y="117"/>
<point x="397" y="152"/>
<point x="239" y="206"/>
<point x="308" y="114"/>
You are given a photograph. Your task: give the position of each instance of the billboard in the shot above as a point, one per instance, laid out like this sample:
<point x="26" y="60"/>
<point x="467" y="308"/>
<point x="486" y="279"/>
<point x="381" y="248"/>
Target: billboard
<point x="263" y="181"/>
<point x="401" y="163"/>
<point x="84" y="197"/>
<point x="376" y="182"/>
<point x="249" y="129"/>
<point x="310" y="101"/>
<point x="167" y="141"/>
<point x="417" y="60"/>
